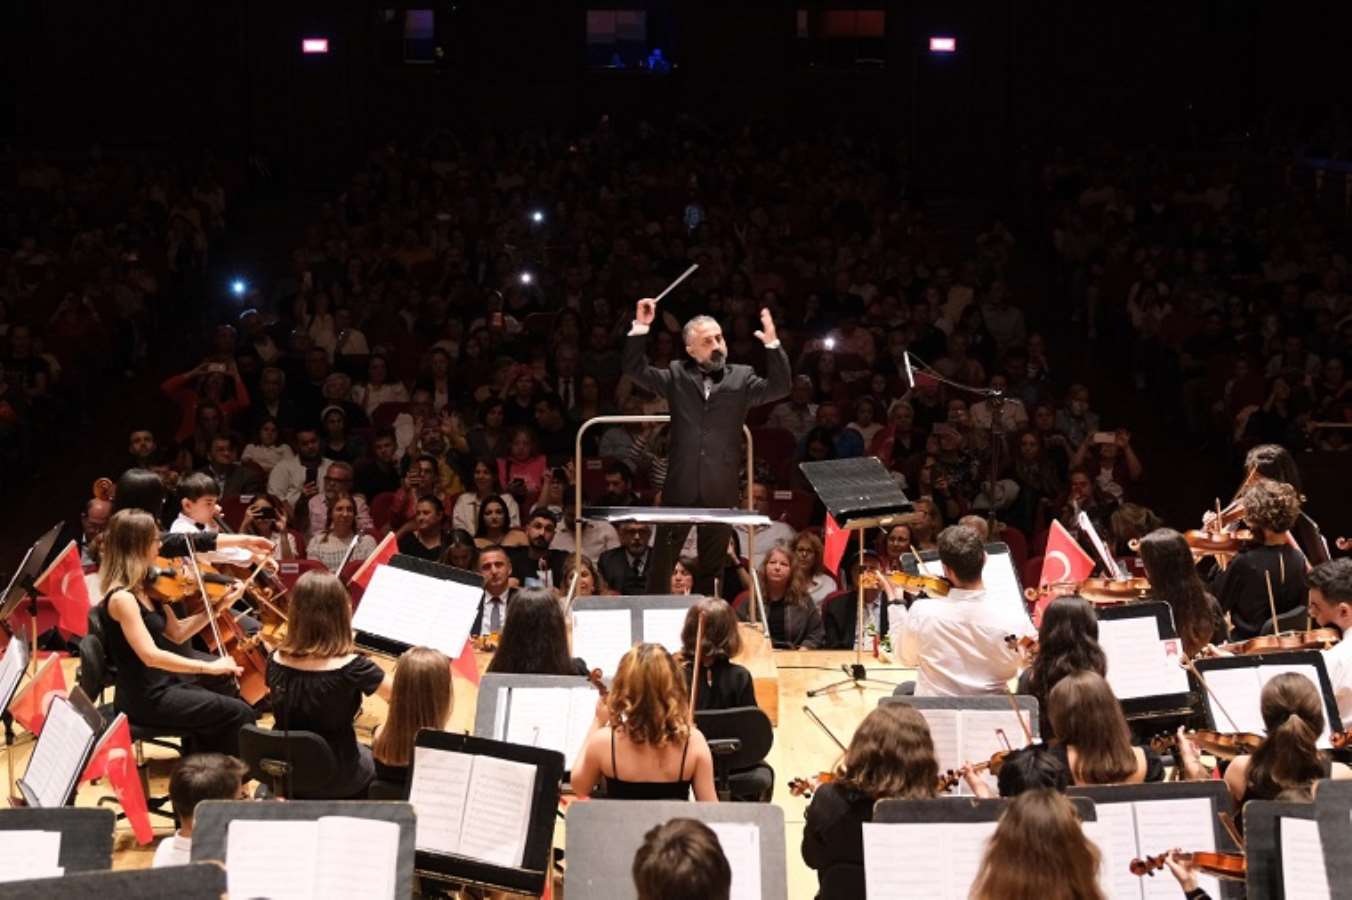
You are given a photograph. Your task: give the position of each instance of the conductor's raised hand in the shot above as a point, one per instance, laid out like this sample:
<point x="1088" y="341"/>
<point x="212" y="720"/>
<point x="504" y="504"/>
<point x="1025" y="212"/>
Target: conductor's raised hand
<point x="767" y="333"/>
<point x="646" y="311"/>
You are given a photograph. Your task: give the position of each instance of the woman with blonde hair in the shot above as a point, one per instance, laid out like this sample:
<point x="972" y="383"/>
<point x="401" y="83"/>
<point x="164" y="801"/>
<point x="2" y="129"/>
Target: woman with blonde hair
<point x="890" y="756"/>
<point x="643" y="742"/>
<point x="794" y="620"/>
<point x="420" y="697"/>
<point x="153" y="683"/>
<point x="1039" y="852"/>
<point x="318" y="680"/>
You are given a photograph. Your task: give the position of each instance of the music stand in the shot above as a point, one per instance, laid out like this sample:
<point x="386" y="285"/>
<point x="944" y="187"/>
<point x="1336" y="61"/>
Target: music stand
<point x="859" y="494"/>
<point x="21" y="586"/>
<point x="12" y="667"/>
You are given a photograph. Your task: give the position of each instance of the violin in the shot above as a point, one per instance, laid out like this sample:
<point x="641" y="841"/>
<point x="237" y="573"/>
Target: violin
<point x="1341" y="740"/>
<point x="1343" y="543"/>
<point x="598" y="681"/>
<point x="933" y="585"/>
<point x="1205" y="542"/>
<point x="1024" y="644"/>
<point x="949" y="780"/>
<point x="1314" y="639"/>
<point x="1098" y="591"/>
<point x="170" y="584"/>
<point x="1222" y="865"/>
<point x="487" y="643"/>
<point x="805" y="787"/>
<point x="1218" y="744"/>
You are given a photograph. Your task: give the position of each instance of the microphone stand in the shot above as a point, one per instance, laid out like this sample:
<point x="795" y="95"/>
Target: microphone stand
<point x="995" y="430"/>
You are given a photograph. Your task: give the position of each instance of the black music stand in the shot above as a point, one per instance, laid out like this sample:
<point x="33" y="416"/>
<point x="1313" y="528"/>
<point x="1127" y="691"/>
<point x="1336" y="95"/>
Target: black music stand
<point x="859" y="494"/>
<point x="21" y="587"/>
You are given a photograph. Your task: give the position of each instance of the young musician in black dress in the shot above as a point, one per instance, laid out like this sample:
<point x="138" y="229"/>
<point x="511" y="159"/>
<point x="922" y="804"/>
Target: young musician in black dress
<point x="318" y="680"/>
<point x="722" y="684"/>
<point x="534" y="638"/>
<point x="154" y="683"/>
<point x="1271" y="508"/>
<point x="420" y="698"/>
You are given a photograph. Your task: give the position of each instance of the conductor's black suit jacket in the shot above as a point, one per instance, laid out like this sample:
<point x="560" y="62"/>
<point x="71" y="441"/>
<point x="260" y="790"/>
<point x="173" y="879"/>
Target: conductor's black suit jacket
<point x="706" y="434"/>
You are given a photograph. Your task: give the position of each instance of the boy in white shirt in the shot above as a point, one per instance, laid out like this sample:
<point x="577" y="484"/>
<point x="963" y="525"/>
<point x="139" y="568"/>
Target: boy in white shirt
<point x="201" y="776"/>
<point x="198" y="502"/>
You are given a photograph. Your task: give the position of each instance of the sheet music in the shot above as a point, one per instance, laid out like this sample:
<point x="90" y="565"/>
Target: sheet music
<point x="945" y="731"/>
<point x="1185" y="823"/>
<point x="1268" y="672"/>
<point x="534" y="718"/>
<point x="981" y="741"/>
<point x="931" y="860"/>
<point x="500" y="714"/>
<point x="997" y="575"/>
<point x="663" y="626"/>
<point x="1115" y="836"/>
<point x="601" y="637"/>
<point x="30" y="854"/>
<point x="497" y="811"/>
<point x="1238" y="692"/>
<point x="440" y="782"/>
<point x="269" y="858"/>
<point x="358" y="858"/>
<point x="1302" y="859"/>
<point x="581" y="712"/>
<point x="417" y="609"/>
<point x="1137" y="663"/>
<point x="12" y="668"/>
<point x="741" y="846"/>
<point x="59" y="756"/>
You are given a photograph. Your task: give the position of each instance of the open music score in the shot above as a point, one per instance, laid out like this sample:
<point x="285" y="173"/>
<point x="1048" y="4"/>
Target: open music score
<point x="1139" y="664"/>
<point x="551" y="718"/>
<point x="971" y="736"/>
<point x="61" y="754"/>
<point x="663" y="626"/>
<point x="937" y="860"/>
<point x="1239" y="691"/>
<point x="12" y="667"/>
<point x="471" y="805"/>
<point x="741" y="846"/>
<point x="1302" y="858"/>
<point x="331" y="857"/>
<point x="602" y="637"/>
<point x="412" y="609"/>
<point x="30" y="854"/>
<point x="1125" y="831"/>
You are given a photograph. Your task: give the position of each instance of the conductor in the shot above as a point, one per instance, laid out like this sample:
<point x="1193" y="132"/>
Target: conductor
<point x="709" y="400"/>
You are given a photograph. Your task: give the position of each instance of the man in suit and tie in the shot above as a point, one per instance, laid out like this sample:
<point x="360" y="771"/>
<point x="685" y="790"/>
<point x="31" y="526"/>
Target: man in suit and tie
<point x="626" y="567"/>
<point x="709" y="400"/>
<point x="496" y="569"/>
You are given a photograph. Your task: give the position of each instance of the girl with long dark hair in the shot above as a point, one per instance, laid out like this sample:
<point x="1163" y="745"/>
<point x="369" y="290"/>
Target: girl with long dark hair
<point x="1169" y="566"/>
<point x="1067" y="643"/>
<point x="534" y="639"/>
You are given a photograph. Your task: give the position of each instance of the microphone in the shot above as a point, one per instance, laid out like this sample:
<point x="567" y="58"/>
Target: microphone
<point x="910" y="374"/>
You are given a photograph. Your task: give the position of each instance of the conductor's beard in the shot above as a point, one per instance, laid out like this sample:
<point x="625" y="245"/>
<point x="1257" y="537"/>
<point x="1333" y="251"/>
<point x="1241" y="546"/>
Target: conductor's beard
<point x="714" y="363"/>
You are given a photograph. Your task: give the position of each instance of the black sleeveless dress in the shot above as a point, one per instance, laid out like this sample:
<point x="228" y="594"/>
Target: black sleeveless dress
<point x="619" y="789"/>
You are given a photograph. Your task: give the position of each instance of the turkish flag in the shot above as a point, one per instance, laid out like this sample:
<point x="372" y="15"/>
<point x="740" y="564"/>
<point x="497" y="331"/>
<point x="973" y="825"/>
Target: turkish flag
<point x="30" y="704"/>
<point x="384" y="552"/>
<point x="64" y="584"/>
<point x="1064" y="560"/>
<point x="466" y="664"/>
<point x="836" y="540"/>
<point x="114" y="759"/>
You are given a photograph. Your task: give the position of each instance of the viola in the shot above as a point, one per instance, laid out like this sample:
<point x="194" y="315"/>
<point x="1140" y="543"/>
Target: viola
<point x="248" y="654"/>
<point x="1222" y="865"/>
<point x="804" y="787"/>
<point x="1098" y="591"/>
<point x="1218" y="744"/>
<point x="933" y="585"/>
<point x="226" y="637"/>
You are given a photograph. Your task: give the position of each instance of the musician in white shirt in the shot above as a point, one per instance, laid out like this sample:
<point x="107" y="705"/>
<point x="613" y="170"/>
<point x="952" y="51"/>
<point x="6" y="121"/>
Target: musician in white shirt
<point x="957" y="643"/>
<point x="1330" y="585"/>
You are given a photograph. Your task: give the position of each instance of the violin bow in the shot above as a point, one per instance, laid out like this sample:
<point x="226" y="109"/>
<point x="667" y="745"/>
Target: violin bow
<point x="822" y="725"/>
<point x="1217" y="700"/>
<point x="571" y="595"/>
<point x="699" y="661"/>
<point x="1018" y="714"/>
<point x="1272" y="602"/>
<point x="210" y="609"/>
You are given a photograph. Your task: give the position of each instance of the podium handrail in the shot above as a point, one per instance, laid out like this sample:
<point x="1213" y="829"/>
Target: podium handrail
<point x="655" y="418"/>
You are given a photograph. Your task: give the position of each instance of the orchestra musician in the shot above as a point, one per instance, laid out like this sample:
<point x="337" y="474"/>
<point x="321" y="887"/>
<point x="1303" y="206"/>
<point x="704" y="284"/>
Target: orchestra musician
<point x="723" y="684"/>
<point x="1039" y="852"/>
<point x="151" y="687"/>
<point x="1267" y="578"/>
<point x="891" y="756"/>
<point x="143" y="489"/>
<point x="535" y="638"/>
<point x="420" y="697"/>
<point x="1274" y="462"/>
<point x="1330" y="586"/>
<point x="681" y="860"/>
<point x="1067" y="642"/>
<point x="318" y="680"/>
<point x="1093" y="740"/>
<point x="1172" y="573"/>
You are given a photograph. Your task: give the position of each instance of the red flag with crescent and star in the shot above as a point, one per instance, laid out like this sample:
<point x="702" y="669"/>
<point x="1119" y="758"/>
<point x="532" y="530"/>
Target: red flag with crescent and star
<point x="64" y="584"/>
<point x="1064" y="560"/>
<point x="115" y="759"/>
<point x="30" y="704"/>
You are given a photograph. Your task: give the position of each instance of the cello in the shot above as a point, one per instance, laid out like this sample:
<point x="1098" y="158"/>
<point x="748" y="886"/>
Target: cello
<point x="232" y="643"/>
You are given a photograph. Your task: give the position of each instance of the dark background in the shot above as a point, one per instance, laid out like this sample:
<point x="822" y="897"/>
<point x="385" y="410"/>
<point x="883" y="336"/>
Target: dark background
<point x="1029" y="74"/>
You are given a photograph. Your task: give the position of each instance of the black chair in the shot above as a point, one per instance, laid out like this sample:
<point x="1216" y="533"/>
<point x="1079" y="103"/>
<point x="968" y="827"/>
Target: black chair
<point x="387" y="790"/>
<point x="297" y="764"/>
<point x="1291" y="620"/>
<point x="94" y="677"/>
<point x="739" y="739"/>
